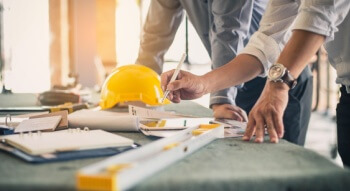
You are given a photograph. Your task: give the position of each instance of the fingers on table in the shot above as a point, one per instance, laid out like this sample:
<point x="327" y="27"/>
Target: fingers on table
<point x="259" y="128"/>
<point x="241" y="113"/>
<point x="259" y="121"/>
<point x="278" y="122"/>
<point x="228" y="114"/>
<point x="250" y="130"/>
<point x="244" y="115"/>
<point x="235" y="115"/>
<point x="271" y="128"/>
<point x="238" y="113"/>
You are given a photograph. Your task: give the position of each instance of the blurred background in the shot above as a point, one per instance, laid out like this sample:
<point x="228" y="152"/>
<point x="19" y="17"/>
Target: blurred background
<point x="47" y="43"/>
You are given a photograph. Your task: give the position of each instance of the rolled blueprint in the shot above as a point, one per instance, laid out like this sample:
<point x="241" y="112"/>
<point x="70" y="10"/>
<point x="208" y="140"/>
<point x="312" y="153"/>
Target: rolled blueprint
<point x="105" y="120"/>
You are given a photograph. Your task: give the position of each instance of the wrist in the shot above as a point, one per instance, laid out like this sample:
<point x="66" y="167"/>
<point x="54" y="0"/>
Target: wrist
<point x="279" y="86"/>
<point x="216" y="105"/>
<point x="279" y="73"/>
<point x="205" y="83"/>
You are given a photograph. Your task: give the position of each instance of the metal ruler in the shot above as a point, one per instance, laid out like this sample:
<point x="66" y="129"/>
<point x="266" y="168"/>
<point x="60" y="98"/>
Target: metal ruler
<point x="125" y="170"/>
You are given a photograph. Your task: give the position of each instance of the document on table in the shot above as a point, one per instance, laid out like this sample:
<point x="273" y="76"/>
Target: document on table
<point x="233" y="128"/>
<point x="65" y="140"/>
<point x="39" y="124"/>
<point x="64" y="121"/>
<point x="150" y="113"/>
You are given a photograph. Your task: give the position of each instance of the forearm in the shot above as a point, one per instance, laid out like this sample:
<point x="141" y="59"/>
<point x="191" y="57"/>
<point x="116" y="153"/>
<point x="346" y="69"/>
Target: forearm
<point x="239" y="70"/>
<point x="162" y="22"/>
<point x="298" y="51"/>
<point x="295" y="56"/>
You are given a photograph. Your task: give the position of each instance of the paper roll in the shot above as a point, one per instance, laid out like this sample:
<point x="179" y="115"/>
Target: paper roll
<point x="105" y="120"/>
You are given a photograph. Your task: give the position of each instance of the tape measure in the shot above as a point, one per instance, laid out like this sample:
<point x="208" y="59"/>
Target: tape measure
<point x="70" y="107"/>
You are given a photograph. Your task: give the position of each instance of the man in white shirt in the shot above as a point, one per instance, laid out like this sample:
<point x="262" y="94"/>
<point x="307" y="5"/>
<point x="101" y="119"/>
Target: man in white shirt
<point x="224" y="28"/>
<point x="290" y="33"/>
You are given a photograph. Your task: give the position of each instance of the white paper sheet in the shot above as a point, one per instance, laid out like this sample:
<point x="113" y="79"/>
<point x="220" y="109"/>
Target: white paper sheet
<point x="66" y="140"/>
<point x="39" y="124"/>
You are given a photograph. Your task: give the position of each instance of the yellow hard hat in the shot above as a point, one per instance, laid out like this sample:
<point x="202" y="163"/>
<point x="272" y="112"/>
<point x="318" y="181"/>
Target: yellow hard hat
<point x="132" y="83"/>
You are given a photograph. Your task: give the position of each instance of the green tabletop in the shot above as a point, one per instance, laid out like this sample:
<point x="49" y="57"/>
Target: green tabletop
<point x="225" y="164"/>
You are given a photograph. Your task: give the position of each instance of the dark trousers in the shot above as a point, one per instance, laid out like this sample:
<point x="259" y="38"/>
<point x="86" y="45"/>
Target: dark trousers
<point x="297" y="114"/>
<point x="343" y="126"/>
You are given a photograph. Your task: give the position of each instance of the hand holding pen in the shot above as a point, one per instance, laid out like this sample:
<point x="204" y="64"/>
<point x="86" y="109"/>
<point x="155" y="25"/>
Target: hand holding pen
<point x="182" y="85"/>
<point x="174" y="76"/>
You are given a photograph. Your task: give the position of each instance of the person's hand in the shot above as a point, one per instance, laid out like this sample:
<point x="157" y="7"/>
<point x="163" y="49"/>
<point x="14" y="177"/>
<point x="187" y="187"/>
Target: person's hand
<point x="268" y="113"/>
<point x="186" y="86"/>
<point x="228" y="111"/>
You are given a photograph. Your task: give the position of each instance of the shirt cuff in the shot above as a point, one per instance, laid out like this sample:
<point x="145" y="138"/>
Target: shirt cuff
<point x="264" y="48"/>
<point x="220" y="100"/>
<point x="225" y="96"/>
<point x="316" y="23"/>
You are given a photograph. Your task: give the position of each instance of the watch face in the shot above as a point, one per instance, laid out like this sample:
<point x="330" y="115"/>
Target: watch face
<point x="276" y="72"/>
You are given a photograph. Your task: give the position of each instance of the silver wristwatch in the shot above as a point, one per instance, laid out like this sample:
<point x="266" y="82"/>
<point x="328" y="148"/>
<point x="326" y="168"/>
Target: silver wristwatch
<point x="279" y="73"/>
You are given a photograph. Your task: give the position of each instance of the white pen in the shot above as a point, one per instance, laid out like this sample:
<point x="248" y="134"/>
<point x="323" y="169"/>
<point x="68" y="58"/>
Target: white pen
<point x="173" y="78"/>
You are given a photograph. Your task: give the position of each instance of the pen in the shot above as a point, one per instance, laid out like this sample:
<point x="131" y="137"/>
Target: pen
<point x="173" y="78"/>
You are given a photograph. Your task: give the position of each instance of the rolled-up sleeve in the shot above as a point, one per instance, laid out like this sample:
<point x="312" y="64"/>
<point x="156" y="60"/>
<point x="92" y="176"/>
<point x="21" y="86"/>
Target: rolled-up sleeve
<point x="267" y="43"/>
<point x="264" y="48"/>
<point x="321" y="16"/>
<point x="281" y="17"/>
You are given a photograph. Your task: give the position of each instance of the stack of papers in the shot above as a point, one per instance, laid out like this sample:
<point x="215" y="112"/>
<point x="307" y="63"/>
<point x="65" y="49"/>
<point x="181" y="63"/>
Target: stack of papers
<point x="65" y="140"/>
<point x="149" y="121"/>
<point x="36" y="122"/>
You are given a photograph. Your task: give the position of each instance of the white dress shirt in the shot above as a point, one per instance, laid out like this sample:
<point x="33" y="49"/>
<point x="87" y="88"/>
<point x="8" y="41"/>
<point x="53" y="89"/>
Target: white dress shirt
<point x="283" y="16"/>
